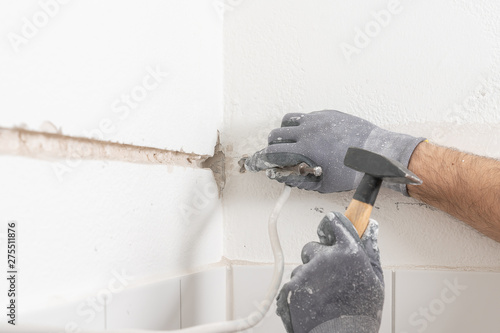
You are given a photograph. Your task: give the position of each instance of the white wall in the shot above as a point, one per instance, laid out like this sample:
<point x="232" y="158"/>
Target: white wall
<point x="430" y="70"/>
<point x="146" y="73"/>
<point x="123" y="71"/>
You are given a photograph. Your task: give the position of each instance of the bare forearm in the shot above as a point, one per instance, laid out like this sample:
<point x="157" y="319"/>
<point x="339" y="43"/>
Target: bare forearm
<point x="463" y="185"/>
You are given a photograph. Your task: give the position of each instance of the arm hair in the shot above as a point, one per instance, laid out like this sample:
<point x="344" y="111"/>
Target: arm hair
<point x="463" y="185"/>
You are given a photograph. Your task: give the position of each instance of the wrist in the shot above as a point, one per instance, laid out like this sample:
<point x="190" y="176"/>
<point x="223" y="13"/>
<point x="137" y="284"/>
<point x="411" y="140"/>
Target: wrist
<point x="396" y="146"/>
<point x="417" y="165"/>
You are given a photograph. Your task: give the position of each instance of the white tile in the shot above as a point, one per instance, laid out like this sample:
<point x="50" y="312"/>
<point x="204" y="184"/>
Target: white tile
<point x="95" y="79"/>
<point x="71" y="317"/>
<point x="446" y="301"/>
<point x="250" y="285"/>
<point x="203" y="297"/>
<point x="105" y="218"/>
<point x="155" y="306"/>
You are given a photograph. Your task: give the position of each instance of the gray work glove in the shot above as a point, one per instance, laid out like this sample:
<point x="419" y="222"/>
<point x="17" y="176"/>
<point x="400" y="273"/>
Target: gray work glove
<point x="322" y="138"/>
<point x="340" y="286"/>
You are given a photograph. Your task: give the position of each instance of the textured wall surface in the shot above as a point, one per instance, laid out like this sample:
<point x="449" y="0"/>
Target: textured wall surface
<point x="423" y="68"/>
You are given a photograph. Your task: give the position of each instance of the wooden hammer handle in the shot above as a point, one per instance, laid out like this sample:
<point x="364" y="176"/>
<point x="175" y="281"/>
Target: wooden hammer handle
<point x="359" y="214"/>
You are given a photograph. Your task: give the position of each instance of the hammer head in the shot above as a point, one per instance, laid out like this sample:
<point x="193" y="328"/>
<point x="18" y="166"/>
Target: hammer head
<point x="379" y="166"/>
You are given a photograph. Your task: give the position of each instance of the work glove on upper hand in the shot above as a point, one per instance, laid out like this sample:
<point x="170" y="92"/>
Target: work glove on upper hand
<point x="340" y="286"/>
<point x="322" y="138"/>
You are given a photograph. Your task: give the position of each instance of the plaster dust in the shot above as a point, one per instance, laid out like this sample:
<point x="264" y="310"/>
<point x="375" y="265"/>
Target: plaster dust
<point x="439" y="80"/>
<point x="217" y="163"/>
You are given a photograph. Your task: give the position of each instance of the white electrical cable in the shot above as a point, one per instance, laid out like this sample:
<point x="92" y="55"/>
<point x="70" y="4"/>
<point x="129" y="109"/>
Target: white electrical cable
<point x="227" y="326"/>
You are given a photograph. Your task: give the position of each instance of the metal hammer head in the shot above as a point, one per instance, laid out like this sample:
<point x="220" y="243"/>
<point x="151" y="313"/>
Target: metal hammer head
<point x="379" y="166"/>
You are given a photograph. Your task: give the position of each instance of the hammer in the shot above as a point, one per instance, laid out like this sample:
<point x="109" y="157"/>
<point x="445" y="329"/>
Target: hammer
<point x="377" y="168"/>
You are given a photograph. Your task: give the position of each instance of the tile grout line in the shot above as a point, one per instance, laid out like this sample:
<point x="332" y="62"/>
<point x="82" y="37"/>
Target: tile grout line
<point x="180" y="303"/>
<point x="229" y="292"/>
<point x="393" y="307"/>
<point x="106" y="314"/>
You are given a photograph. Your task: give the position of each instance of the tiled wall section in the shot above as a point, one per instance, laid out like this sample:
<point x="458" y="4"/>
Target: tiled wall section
<point x="203" y="297"/>
<point x="425" y="301"/>
<point x="250" y="286"/>
<point x="447" y="301"/>
<point x="164" y="305"/>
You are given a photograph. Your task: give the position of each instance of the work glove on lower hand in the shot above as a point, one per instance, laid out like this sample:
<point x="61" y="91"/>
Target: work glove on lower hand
<point x="322" y="138"/>
<point x="340" y="286"/>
